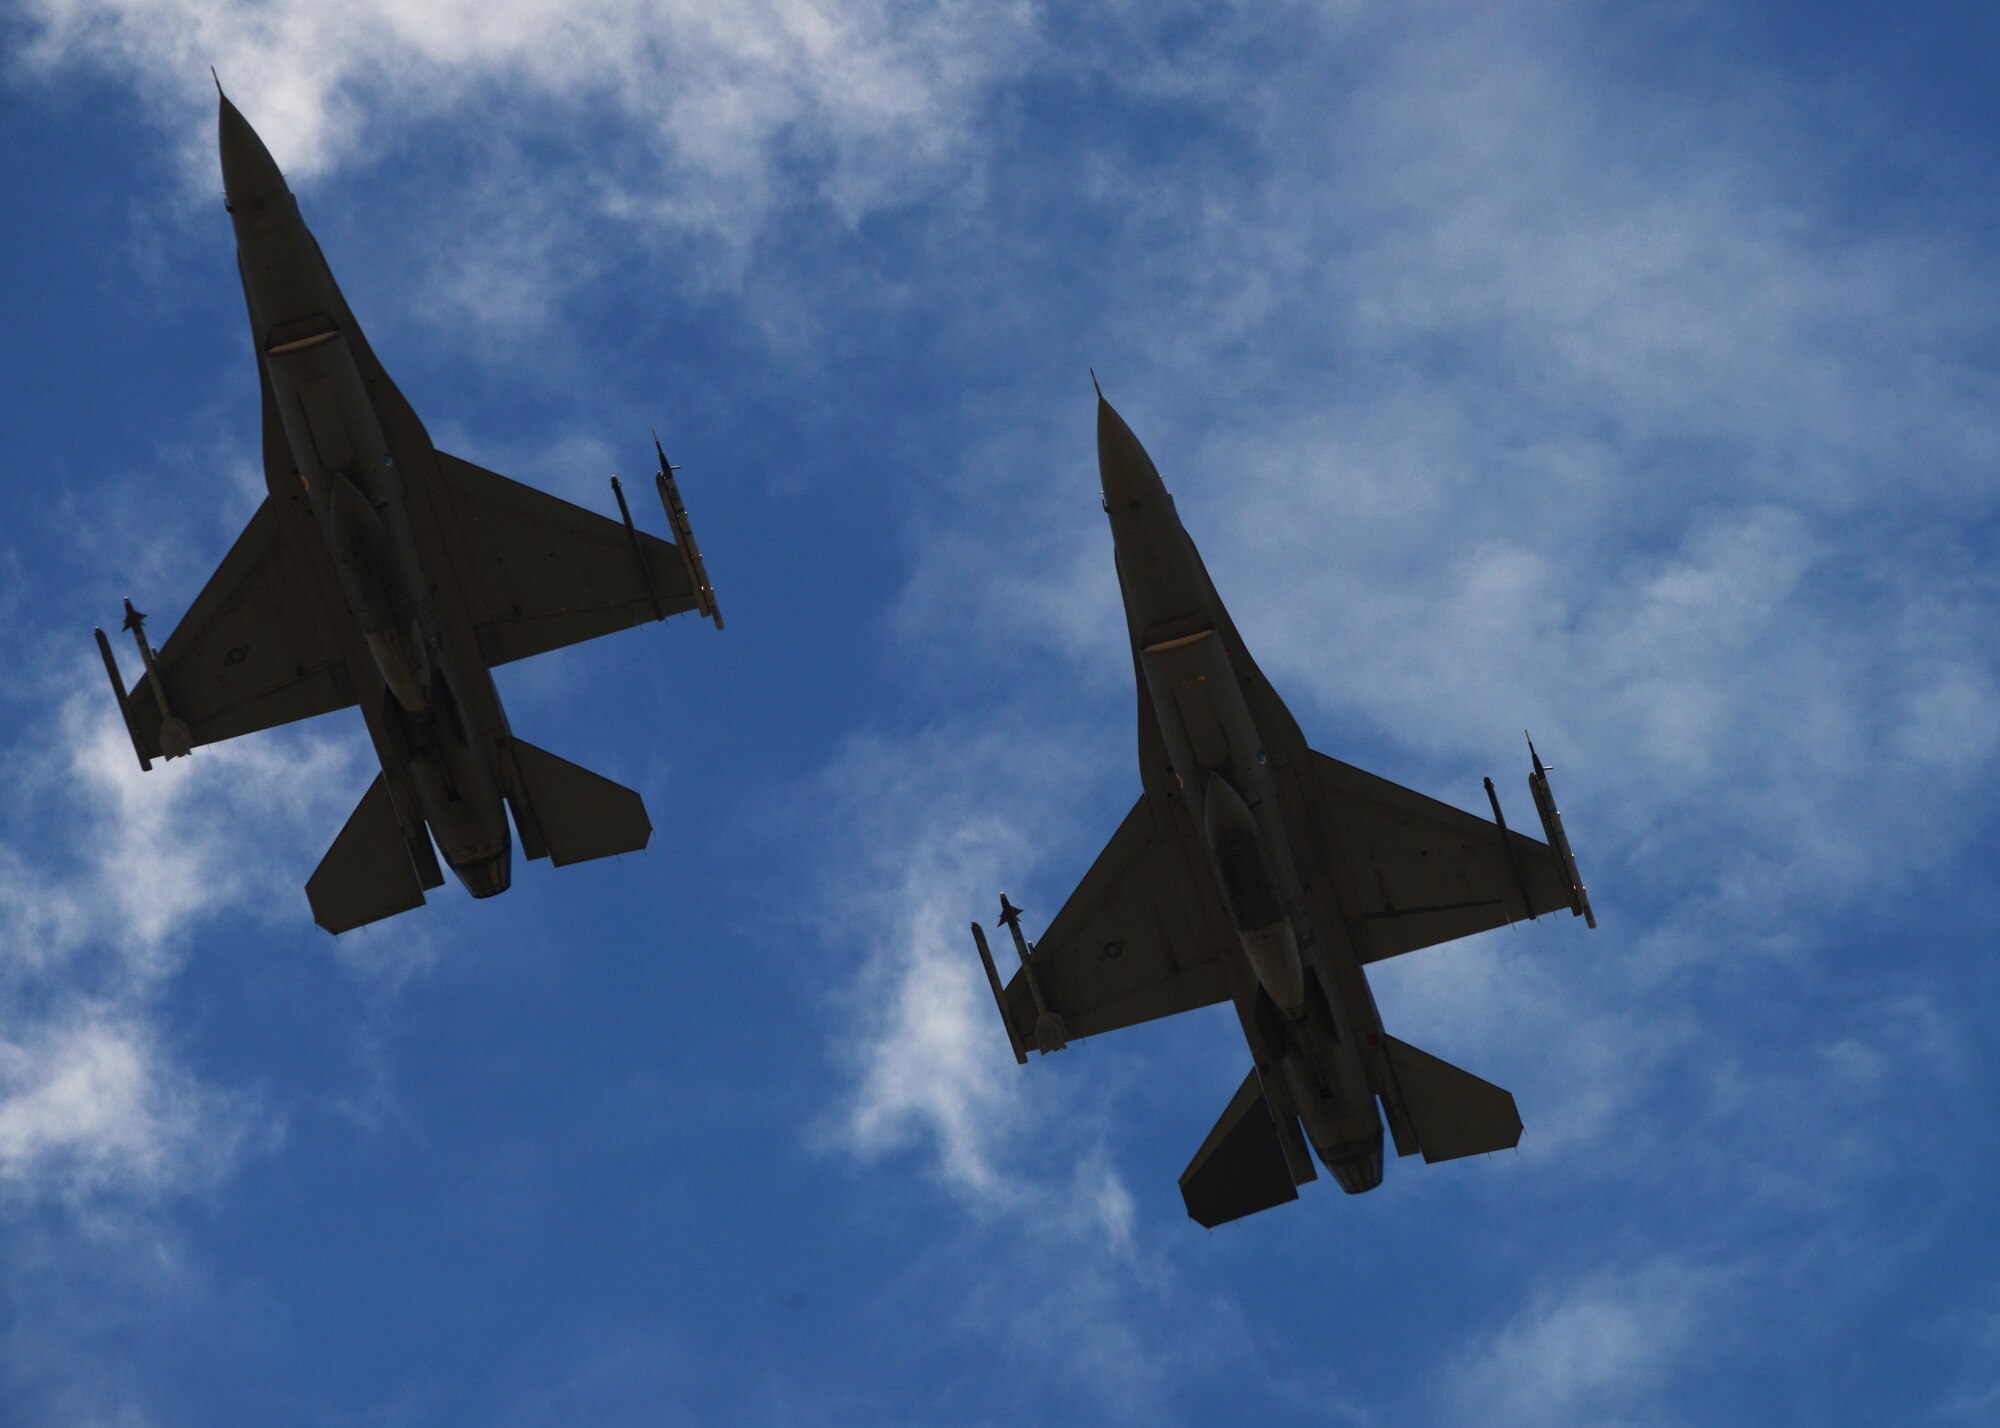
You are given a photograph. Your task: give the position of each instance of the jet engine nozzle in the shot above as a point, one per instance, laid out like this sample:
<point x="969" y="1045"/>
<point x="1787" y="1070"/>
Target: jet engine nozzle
<point x="487" y="877"/>
<point x="1360" y="1170"/>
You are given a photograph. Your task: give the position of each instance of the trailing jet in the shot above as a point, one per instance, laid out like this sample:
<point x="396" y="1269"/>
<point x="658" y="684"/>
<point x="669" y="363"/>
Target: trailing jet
<point x="1255" y="871"/>
<point x="382" y="573"/>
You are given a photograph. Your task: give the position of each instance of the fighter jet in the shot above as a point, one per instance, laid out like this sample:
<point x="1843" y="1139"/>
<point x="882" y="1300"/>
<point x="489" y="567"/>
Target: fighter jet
<point x="382" y="573"/>
<point x="1256" y="871"/>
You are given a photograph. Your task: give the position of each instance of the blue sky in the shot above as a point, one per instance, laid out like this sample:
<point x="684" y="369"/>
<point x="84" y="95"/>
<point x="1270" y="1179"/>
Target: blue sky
<point x="1626" y="375"/>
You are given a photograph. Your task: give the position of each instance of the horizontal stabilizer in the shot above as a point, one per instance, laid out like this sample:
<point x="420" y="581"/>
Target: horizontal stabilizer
<point x="1241" y="1167"/>
<point x="581" y="815"/>
<point x="1452" y="1112"/>
<point x="367" y="874"/>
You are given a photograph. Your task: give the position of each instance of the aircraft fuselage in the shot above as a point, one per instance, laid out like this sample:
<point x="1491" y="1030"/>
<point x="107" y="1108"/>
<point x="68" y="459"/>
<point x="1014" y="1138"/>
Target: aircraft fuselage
<point x="346" y="462"/>
<point x="1295" y="1003"/>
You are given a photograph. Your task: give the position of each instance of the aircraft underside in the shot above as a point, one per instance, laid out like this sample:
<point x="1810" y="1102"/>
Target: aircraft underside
<point x="1255" y="871"/>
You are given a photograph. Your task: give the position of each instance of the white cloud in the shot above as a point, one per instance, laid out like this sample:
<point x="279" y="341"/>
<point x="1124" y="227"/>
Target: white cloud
<point x="866" y="96"/>
<point x="920" y="1028"/>
<point x="1498" y="395"/>
<point x="90" y="1103"/>
<point x="110" y="881"/>
<point x="168" y="846"/>
<point x="95" y="920"/>
<point x="1076" y="1316"/>
<point x="1598" y="1351"/>
<point x="530" y="147"/>
<point x="1495" y="394"/>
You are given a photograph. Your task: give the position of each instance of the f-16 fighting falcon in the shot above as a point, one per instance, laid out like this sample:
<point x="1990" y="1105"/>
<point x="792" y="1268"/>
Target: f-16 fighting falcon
<point x="1257" y="871"/>
<point x="383" y="573"/>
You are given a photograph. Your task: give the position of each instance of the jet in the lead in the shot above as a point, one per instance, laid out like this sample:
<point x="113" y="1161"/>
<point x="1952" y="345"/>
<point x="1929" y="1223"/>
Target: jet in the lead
<point x="1256" y="871"/>
<point x="383" y="573"/>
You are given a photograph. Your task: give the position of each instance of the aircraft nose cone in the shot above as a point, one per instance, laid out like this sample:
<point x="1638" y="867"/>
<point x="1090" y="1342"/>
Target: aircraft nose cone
<point x="249" y="173"/>
<point x="1131" y="484"/>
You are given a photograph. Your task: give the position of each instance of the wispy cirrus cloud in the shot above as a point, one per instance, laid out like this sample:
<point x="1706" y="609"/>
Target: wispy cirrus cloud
<point x="732" y="103"/>
<point x="1604" y="1349"/>
<point x="537" y="149"/>
<point x="1501" y="383"/>
<point x="109" y="881"/>
<point x="1075" y="1312"/>
<point x="95" y="1098"/>
<point x="920" y="1013"/>
<point x="1489" y="405"/>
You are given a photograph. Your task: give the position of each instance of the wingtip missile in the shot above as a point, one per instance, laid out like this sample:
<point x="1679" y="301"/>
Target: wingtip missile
<point x="175" y="739"/>
<point x="1051" y="1034"/>
<point x="677" y="518"/>
<point x="999" y="994"/>
<point x="1552" y="826"/>
<point x="124" y="700"/>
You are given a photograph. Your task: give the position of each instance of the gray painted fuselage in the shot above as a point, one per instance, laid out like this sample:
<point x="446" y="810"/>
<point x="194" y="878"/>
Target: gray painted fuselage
<point x="1213" y="738"/>
<point x="348" y="433"/>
